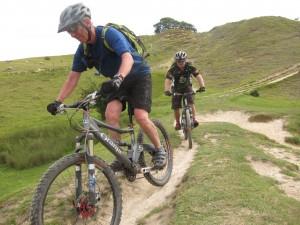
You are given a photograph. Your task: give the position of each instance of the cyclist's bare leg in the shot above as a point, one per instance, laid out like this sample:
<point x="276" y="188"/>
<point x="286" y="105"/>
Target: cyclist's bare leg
<point x="142" y="118"/>
<point x="112" y="115"/>
<point x="196" y="123"/>
<point x="177" y="115"/>
<point x="193" y="111"/>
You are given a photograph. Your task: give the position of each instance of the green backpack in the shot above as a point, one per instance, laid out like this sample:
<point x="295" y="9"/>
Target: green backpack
<point x="134" y="40"/>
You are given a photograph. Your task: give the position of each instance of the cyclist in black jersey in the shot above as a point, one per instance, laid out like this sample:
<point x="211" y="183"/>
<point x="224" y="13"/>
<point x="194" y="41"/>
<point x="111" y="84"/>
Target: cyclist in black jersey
<point x="179" y="77"/>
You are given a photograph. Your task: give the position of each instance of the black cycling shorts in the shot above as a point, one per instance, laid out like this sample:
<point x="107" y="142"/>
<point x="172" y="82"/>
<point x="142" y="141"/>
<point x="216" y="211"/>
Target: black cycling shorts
<point x="137" y="90"/>
<point x="177" y="99"/>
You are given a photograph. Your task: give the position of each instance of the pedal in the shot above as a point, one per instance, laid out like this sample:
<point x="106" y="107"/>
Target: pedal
<point x="146" y="170"/>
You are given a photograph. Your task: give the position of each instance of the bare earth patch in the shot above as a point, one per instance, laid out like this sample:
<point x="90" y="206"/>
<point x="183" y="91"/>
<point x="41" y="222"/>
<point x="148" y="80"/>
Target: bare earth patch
<point x="211" y="137"/>
<point x="140" y="197"/>
<point x="272" y="129"/>
<point x="161" y="218"/>
<point x="283" y="154"/>
<point x="286" y="183"/>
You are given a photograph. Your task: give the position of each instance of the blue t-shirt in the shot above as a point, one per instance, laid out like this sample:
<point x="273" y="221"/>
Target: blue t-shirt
<point x="107" y="62"/>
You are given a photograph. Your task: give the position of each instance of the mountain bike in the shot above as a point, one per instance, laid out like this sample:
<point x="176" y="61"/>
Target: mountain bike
<point x="81" y="188"/>
<point x="186" y="119"/>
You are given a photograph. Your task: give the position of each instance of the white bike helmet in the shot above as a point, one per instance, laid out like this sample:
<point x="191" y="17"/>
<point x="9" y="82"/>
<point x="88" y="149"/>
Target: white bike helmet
<point x="72" y="15"/>
<point x="180" y="55"/>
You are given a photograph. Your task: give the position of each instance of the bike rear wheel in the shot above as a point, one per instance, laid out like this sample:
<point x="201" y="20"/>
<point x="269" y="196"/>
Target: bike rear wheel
<point x="55" y="201"/>
<point x="157" y="177"/>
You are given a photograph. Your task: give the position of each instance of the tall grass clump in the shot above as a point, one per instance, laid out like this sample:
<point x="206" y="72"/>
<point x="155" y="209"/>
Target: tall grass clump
<point x="293" y="140"/>
<point x="260" y="118"/>
<point x="33" y="147"/>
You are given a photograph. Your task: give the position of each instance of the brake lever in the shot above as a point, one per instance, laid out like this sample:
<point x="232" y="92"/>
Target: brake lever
<point x="92" y="98"/>
<point x="61" y="108"/>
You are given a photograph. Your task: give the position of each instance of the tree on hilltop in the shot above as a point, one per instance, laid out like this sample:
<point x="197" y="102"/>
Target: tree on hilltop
<point x="168" y="23"/>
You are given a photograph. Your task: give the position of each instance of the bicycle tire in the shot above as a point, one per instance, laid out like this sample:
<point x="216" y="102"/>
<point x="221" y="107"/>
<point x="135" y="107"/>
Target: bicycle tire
<point x="57" y="208"/>
<point x="156" y="177"/>
<point x="188" y="128"/>
<point x="183" y="124"/>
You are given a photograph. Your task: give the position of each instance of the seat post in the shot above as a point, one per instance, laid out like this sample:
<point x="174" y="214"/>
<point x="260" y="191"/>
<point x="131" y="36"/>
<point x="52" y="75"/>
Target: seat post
<point x="130" y="114"/>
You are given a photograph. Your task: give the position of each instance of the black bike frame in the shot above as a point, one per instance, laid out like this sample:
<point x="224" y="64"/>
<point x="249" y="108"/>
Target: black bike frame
<point x="186" y="106"/>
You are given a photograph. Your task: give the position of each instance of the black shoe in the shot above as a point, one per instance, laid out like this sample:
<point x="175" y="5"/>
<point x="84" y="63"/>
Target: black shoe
<point x="159" y="158"/>
<point x="116" y="166"/>
<point x="196" y="123"/>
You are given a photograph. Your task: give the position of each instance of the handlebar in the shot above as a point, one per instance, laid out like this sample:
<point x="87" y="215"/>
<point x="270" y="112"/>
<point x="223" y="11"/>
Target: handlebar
<point x="184" y="94"/>
<point x="90" y="99"/>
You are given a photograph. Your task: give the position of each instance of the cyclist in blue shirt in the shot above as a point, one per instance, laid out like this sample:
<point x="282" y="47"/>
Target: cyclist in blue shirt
<point x="128" y="72"/>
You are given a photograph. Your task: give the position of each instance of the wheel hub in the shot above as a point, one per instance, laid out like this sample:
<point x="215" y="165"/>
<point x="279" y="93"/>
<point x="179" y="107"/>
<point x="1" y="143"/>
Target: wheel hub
<point x="84" y="209"/>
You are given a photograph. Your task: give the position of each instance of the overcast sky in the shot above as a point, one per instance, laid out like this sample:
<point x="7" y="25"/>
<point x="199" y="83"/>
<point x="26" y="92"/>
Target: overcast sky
<point x="29" y="27"/>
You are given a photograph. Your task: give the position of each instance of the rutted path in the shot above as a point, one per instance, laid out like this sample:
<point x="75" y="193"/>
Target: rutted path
<point x="140" y="197"/>
<point x="273" y="130"/>
<point x="286" y="183"/>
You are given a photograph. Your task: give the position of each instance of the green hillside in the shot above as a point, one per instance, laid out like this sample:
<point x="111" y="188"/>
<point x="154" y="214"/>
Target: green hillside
<point x="287" y="89"/>
<point x="229" y="56"/>
<point x="234" y="53"/>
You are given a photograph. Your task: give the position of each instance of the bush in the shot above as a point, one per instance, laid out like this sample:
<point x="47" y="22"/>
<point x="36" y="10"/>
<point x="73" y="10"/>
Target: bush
<point x="254" y="93"/>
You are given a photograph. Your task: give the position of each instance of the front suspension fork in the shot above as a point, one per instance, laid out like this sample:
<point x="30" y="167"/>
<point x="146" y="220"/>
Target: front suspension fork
<point x="91" y="172"/>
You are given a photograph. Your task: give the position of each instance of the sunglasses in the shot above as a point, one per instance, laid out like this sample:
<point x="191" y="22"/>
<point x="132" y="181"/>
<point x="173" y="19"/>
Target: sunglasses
<point x="180" y="61"/>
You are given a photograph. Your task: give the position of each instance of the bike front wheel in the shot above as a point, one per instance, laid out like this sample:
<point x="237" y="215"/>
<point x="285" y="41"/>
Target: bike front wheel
<point x="157" y="177"/>
<point x="57" y="201"/>
<point x="188" y="128"/>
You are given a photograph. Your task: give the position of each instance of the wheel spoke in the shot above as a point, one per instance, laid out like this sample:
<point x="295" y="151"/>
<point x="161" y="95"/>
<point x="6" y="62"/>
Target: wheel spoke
<point x="56" y="193"/>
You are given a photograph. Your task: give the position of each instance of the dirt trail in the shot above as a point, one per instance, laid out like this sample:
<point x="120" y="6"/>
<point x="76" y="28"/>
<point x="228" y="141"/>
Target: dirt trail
<point x="286" y="183"/>
<point x="140" y="197"/>
<point x="273" y="130"/>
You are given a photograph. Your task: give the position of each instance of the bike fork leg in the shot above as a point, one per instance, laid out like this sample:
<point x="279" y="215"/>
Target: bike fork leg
<point x="78" y="181"/>
<point x="78" y="177"/>
<point x="91" y="174"/>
